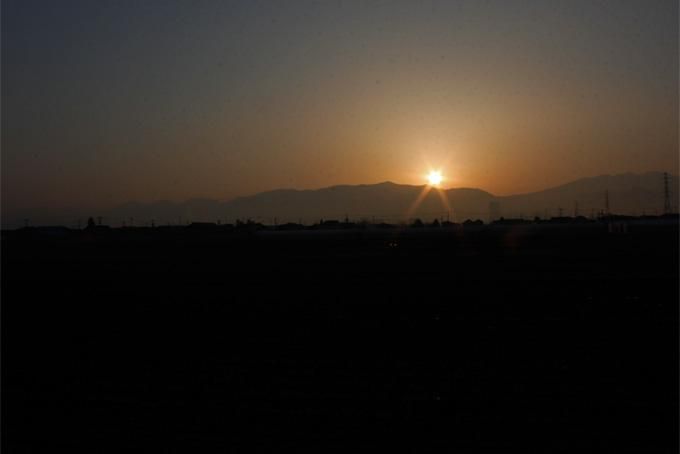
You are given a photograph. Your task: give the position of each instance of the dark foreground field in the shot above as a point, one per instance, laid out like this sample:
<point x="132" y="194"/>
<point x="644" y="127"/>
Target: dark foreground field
<point x="482" y="340"/>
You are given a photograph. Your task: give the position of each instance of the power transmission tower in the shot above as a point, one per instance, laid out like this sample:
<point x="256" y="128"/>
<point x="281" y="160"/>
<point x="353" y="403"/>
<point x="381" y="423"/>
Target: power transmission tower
<point x="666" y="195"/>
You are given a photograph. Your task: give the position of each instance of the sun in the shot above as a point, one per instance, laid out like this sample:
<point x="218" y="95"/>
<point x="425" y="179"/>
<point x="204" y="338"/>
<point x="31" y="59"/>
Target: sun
<point x="434" y="178"/>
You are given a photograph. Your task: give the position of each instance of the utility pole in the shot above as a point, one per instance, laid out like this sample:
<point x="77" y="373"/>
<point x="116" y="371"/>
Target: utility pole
<point x="666" y="195"/>
<point x="576" y="208"/>
<point x="606" y="202"/>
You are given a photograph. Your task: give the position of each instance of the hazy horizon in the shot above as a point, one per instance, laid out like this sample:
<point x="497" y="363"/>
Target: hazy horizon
<point x="423" y="184"/>
<point x="628" y="194"/>
<point x="115" y="101"/>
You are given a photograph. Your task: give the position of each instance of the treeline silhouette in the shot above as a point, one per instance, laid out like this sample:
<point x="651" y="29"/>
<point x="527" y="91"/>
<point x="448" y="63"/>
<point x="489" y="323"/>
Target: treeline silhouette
<point x="249" y="225"/>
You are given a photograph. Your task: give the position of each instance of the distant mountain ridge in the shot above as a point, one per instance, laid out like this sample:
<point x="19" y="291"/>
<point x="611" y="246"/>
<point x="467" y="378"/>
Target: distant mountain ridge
<point x="630" y="194"/>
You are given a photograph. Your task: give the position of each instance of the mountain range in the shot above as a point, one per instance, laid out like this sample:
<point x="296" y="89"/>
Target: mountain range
<point x="630" y="194"/>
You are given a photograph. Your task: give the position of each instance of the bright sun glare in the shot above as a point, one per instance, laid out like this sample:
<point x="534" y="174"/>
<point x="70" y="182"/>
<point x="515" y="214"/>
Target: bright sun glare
<point x="434" y="178"/>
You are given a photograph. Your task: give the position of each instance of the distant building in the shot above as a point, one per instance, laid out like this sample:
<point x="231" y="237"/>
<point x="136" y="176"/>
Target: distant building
<point x="511" y="221"/>
<point x="92" y="227"/>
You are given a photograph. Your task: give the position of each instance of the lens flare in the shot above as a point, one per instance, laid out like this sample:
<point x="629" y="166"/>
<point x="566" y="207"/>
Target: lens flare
<point x="435" y="178"/>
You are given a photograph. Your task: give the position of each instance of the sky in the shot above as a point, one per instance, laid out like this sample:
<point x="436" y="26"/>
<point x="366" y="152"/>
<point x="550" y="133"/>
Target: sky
<point x="110" y="101"/>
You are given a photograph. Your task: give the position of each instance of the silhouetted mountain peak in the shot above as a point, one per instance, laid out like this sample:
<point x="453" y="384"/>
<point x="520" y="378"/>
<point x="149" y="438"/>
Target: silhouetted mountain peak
<point x="628" y="193"/>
